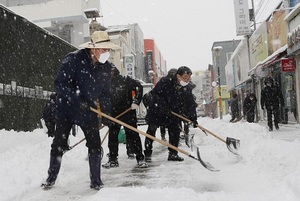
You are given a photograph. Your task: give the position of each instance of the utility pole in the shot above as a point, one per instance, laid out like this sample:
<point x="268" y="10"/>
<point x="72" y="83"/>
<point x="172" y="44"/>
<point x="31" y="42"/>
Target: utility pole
<point x="217" y="52"/>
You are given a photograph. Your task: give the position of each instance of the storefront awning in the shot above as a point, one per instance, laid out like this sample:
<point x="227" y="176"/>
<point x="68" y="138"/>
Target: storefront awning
<point x="273" y="58"/>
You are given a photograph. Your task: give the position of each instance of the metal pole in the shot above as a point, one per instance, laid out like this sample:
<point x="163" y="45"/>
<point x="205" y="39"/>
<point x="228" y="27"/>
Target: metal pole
<point x="220" y="92"/>
<point x="217" y="51"/>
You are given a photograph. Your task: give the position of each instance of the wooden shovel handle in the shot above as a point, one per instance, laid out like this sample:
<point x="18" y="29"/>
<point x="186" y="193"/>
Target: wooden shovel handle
<point x="201" y="127"/>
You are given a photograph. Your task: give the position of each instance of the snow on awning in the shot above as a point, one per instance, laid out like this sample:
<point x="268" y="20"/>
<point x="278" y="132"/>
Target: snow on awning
<point x="273" y="58"/>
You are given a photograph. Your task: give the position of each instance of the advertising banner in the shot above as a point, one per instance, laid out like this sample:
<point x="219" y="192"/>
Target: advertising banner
<point x="277" y="31"/>
<point x="129" y="65"/>
<point x="242" y="19"/>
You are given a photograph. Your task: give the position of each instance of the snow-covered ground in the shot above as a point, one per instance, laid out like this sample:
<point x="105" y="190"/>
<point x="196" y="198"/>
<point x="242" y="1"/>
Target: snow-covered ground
<point x="267" y="168"/>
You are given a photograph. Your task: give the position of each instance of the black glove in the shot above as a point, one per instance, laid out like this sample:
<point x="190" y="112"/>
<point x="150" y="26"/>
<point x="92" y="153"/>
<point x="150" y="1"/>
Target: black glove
<point x="195" y="124"/>
<point x="262" y="107"/>
<point x="50" y="134"/>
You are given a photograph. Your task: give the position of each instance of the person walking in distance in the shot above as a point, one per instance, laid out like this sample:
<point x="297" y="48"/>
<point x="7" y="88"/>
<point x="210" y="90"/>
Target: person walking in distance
<point x="83" y="81"/>
<point x="271" y="99"/>
<point x="126" y="93"/>
<point x="234" y="105"/>
<point x="171" y="94"/>
<point x="249" y="107"/>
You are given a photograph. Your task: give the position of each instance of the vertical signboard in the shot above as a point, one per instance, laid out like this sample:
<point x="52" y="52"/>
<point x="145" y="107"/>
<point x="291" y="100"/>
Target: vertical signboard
<point x="242" y="19"/>
<point x="258" y="45"/>
<point x="149" y="63"/>
<point x="129" y="65"/>
<point x="277" y="31"/>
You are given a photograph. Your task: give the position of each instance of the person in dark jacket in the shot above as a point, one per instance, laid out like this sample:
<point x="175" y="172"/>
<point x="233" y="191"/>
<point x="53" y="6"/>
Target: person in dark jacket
<point x="271" y="99"/>
<point x="249" y="107"/>
<point x="49" y="113"/>
<point x="49" y="116"/>
<point x="126" y="93"/>
<point x="170" y="94"/>
<point x="83" y="81"/>
<point x="234" y="105"/>
<point x="146" y="101"/>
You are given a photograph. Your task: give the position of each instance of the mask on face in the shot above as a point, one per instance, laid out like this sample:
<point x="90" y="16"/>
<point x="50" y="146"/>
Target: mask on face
<point x="183" y="83"/>
<point x="103" y="57"/>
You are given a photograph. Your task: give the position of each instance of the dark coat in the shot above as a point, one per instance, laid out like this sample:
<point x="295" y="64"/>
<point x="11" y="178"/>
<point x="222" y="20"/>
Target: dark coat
<point x="168" y="96"/>
<point x="234" y="105"/>
<point x="125" y="91"/>
<point x="249" y="105"/>
<point x="49" y="111"/>
<point x="271" y="97"/>
<point x="79" y="80"/>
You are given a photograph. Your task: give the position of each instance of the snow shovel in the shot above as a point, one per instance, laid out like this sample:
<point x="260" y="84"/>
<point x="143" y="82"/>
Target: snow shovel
<point x="231" y="143"/>
<point x="71" y="147"/>
<point x="198" y="158"/>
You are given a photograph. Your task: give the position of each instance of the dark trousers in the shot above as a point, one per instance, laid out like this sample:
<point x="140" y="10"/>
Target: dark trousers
<point x="270" y="113"/>
<point x="60" y="144"/>
<point x="173" y="131"/>
<point x="250" y="116"/>
<point x="62" y="132"/>
<point x="163" y="131"/>
<point x="133" y="140"/>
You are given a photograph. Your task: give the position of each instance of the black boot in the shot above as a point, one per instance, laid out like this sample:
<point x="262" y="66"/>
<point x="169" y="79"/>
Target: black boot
<point x="174" y="157"/>
<point x="148" y="154"/>
<point x="95" y="171"/>
<point x="55" y="163"/>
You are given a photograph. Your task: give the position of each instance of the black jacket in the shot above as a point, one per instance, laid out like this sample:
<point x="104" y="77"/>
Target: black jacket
<point x="271" y="97"/>
<point x="125" y="91"/>
<point x="168" y="96"/>
<point x="79" y="80"/>
<point x="49" y="111"/>
<point x="249" y="105"/>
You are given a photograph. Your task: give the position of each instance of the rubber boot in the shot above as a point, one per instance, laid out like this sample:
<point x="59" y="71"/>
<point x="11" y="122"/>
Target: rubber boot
<point x="55" y="163"/>
<point x="95" y="171"/>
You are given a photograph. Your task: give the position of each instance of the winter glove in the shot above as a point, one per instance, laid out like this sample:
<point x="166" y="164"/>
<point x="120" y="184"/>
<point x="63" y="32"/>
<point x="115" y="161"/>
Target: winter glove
<point x="50" y="134"/>
<point x="134" y="106"/>
<point x="195" y="124"/>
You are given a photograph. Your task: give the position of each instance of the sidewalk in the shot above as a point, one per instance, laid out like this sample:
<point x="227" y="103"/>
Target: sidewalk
<point x="289" y="132"/>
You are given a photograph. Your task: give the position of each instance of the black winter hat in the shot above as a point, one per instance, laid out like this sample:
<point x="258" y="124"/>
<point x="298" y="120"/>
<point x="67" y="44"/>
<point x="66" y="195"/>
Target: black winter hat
<point x="184" y="70"/>
<point x="115" y="70"/>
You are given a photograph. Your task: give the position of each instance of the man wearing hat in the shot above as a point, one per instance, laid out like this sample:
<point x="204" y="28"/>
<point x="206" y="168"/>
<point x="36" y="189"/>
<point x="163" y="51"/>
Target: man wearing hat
<point x="126" y="93"/>
<point x="171" y="93"/>
<point x="83" y="81"/>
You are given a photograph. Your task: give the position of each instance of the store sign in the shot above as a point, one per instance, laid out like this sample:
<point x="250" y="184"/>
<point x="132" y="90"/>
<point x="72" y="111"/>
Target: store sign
<point x="242" y="19"/>
<point x="287" y="65"/>
<point x="129" y="65"/>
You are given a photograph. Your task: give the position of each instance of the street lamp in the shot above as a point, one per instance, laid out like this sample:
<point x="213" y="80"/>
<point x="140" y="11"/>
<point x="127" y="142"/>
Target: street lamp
<point x="217" y="52"/>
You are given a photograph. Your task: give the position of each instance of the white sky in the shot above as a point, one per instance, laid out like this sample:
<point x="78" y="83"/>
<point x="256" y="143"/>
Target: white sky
<point x="184" y="31"/>
<point x="266" y="169"/>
